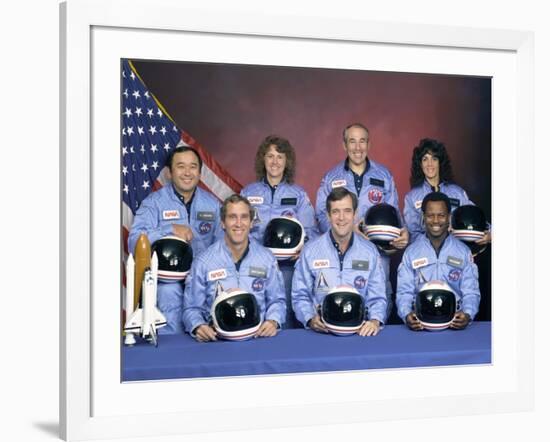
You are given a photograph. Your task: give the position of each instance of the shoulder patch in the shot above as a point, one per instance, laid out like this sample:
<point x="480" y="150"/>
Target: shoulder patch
<point x="418" y="204"/>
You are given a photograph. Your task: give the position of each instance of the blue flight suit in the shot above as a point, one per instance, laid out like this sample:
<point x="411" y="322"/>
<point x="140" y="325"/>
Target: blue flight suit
<point x="454" y="265"/>
<point x="155" y="217"/>
<point x="412" y="212"/>
<point x="258" y="274"/>
<point x="377" y="187"/>
<point x="285" y="200"/>
<point x="320" y="268"/>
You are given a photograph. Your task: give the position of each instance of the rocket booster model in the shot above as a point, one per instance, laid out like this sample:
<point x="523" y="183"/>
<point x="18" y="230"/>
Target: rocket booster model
<point x="148" y="318"/>
<point x="142" y="257"/>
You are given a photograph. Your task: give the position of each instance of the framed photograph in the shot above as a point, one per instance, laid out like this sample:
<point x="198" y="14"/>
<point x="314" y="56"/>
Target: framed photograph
<point x="96" y="36"/>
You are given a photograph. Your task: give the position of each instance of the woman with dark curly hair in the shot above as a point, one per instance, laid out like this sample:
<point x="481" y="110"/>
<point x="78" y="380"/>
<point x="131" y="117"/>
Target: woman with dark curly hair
<point x="431" y="171"/>
<point x="275" y="194"/>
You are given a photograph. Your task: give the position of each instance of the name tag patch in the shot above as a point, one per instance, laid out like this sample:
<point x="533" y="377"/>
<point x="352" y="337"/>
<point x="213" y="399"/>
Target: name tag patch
<point x="359" y="265"/>
<point x="205" y="216"/>
<point x="321" y="264"/>
<point x="255" y="199"/>
<point x="289" y="201"/>
<point x="420" y="262"/>
<point x="338" y="183"/>
<point x="376" y="182"/>
<point x="257" y="272"/>
<point x="214" y="275"/>
<point x="170" y="214"/>
<point x="454" y="202"/>
<point x="454" y="262"/>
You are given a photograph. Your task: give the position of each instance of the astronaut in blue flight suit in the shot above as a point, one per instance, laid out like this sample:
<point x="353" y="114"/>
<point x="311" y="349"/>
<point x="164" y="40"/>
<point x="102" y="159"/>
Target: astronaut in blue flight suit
<point x="431" y="171"/>
<point x="275" y="194"/>
<point x="234" y="262"/>
<point x="181" y="209"/>
<point x="371" y="182"/>
<point x="437" y="255"/>
<point x="339" y="257"/>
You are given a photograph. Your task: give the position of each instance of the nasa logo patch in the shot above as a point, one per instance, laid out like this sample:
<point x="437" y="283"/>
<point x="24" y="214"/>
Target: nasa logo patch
<point x="375" y="196"/>
<point x="359" y="282"/>
<point x="258" y="285"/>
<point x="454" y="275"/>
<point x="204" y="228"/>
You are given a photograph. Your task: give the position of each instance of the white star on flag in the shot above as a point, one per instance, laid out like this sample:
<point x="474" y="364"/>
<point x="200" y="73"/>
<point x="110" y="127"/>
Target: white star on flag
<point x="163" y="130"/>
<point x="144" y="167"/>
<point x="145" y="184"/>
<point x="166" y="146"/>
<point x="125" y="170"/>
<point x="128" y="113"/>
<point x="136" y="94"/>
<point x="130" y="130"/>
<point x="138" y="111"/>
<point x="153" y="130"/>
<point x="140" y="130"/>
<point x="150" y="113"/>
<point x="154" y="148"/>
<point x="155" y="165"/>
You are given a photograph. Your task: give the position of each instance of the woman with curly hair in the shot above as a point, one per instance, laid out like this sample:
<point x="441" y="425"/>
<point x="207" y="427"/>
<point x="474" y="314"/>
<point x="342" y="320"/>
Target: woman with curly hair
<point x="431" y="171"/>
<point x="275" y="194"/>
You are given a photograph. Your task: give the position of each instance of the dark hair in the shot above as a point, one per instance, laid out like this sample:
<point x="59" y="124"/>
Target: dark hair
<point x="282" y="145"/>
<point x="438" y="150"/>
<point x="338" y="194"/>
<point x="181" y="149"/>
<point x="345" y="131"/>
<point x="436" y="196"/>
<point x="234" y="199"/>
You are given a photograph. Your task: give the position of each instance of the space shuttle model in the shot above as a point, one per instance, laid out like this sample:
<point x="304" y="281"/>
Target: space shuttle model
<point x="141" y="285"/>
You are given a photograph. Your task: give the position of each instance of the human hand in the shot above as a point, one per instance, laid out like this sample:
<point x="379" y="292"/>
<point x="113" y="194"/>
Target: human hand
<point x="267" y="329"/>
<point x="486" y="238"/>
<point x="401" y="241"/>
<point x="182" y="231"/>
<point x="460" y="321"/>
<point x="205" y="333"/>
<point x="317" y="325"/>
<point x="413" y="322"/>
<point x="369" y="328"/>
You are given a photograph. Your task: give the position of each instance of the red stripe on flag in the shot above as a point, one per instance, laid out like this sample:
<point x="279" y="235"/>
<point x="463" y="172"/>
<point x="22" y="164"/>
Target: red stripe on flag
<point x="212" y="164"/>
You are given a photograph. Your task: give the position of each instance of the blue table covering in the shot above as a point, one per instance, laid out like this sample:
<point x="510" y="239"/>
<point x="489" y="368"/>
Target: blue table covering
<point x="299" y="350"/>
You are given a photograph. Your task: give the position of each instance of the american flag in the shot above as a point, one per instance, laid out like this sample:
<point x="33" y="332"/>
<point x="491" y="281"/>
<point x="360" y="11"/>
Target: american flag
<point x="148" y="136"/>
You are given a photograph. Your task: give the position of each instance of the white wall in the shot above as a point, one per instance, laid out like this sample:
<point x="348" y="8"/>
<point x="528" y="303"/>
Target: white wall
<point x="29" y="217"/>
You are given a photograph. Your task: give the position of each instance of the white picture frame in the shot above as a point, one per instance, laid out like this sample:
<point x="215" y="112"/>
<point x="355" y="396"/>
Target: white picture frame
<point x="88" y="412"/>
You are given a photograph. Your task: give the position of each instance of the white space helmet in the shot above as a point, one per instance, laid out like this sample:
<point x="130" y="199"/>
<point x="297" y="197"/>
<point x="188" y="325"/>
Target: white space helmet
<point x="343" y="311"/>
<point x="435" y="305"/>
<point x="235" y="315"/>
<point x="285" y="237"/>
